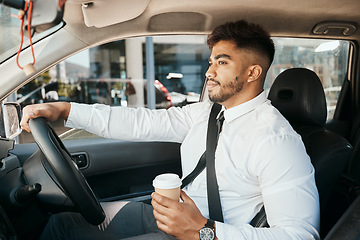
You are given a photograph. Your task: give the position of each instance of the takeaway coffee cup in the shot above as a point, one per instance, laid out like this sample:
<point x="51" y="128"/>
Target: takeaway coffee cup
<point x="168" y="185"/>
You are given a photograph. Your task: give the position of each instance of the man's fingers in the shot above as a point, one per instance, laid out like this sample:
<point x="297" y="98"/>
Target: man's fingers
<point x="27" y="115"/>
<point x="185" y="197"/>
<point x="50" y="111"/>
<point x="162" y="220"/>
<point x="31" y="112"/>
<point x="159" y="204"/>
<point x="160" y="217"/>
<point x="41" y="112"/>
<point x="165" y="223"/>
<point x="162" y="200"/>
<point x="162" y="226"/>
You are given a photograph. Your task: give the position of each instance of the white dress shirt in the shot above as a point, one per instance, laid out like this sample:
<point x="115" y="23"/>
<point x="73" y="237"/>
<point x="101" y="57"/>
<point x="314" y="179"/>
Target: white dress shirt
<point x="260" y="160"/>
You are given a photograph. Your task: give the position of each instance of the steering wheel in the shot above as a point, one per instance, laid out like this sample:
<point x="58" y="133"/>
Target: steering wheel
<point x="59" y="166"/>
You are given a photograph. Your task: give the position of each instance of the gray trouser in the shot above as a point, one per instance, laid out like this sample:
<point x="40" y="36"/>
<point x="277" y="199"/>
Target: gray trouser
<point x="134" y="221"/>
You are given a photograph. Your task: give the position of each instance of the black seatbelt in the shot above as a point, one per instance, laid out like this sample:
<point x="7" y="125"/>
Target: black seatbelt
<point x="197" y="170"/>
<point x="202" y="162"/>
<point x="208" y="160"/>
<point x="260" y="221"/>
<point x="214" y="203"/>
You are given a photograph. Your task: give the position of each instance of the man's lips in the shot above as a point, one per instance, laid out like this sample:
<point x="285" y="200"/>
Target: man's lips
<point x="212" y="84"/>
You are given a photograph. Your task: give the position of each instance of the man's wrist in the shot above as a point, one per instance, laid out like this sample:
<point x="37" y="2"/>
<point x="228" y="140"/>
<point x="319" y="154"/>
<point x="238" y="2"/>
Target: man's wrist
<point x="215" y="231"/>
<point x="64" y="109"/>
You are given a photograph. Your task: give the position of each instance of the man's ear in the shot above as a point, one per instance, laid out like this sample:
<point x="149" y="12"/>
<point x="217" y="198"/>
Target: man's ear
<point x="254" y="72"/>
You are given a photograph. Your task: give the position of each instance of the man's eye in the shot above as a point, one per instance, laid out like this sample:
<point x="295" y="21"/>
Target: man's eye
<point x="210" y="64"/>
<point x="222" y="62"/>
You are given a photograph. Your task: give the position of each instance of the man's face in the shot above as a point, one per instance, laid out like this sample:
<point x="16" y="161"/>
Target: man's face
<point x="227" y="72"/>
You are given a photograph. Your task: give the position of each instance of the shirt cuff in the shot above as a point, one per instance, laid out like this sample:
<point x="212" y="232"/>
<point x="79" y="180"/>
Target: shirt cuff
<point x="226" y="231"/>
<point x="79" y="116"/>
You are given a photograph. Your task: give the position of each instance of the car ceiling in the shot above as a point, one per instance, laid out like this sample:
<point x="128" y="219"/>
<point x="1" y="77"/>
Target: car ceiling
<point x="90" y="23"/>
<point x="281" y="18"/>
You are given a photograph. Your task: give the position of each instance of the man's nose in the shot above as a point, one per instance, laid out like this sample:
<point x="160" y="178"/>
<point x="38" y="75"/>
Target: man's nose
<point x="210" y="73"/>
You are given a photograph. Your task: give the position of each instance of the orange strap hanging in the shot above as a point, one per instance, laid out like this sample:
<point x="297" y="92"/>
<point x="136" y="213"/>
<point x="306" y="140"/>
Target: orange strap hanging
<point x="28" y="8"/>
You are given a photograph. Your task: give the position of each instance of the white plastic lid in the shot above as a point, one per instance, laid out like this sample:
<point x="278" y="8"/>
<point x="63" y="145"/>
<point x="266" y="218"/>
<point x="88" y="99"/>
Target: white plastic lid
<point x="167" y="181"/>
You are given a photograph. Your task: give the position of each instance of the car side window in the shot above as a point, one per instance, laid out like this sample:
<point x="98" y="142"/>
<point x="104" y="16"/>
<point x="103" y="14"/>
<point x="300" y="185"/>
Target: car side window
<point x="327" y="58"/>
<point x="115" y="74"/>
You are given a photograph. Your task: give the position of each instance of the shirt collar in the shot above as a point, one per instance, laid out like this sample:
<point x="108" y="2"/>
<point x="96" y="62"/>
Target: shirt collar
<point x="235" y="112"/>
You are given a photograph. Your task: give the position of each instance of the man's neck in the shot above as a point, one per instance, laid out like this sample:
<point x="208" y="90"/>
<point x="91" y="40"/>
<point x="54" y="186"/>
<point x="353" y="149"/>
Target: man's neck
<point x="240" y="98"/>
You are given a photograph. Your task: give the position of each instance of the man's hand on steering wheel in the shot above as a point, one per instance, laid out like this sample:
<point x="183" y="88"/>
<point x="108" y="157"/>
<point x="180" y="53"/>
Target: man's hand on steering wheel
<point x="50" y="111"/>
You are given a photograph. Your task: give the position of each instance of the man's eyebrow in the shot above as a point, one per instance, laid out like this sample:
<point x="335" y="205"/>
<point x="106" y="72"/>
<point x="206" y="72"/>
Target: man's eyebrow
<point x="221" y="56"/>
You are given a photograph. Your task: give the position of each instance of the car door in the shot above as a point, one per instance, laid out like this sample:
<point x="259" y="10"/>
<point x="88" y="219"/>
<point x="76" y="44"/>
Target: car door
<point x="117" y="169"/>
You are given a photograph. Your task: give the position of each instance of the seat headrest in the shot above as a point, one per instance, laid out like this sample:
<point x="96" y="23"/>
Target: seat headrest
<point x="298" y="94"/>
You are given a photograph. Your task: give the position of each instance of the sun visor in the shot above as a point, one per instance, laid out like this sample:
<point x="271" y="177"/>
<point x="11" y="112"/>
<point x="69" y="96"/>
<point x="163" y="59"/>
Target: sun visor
<point x="96" y="13"/>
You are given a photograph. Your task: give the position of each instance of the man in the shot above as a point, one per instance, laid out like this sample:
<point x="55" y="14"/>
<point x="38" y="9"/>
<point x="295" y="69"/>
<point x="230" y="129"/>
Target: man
<point x="260" y="160"/>
<point x="102" y="91"/>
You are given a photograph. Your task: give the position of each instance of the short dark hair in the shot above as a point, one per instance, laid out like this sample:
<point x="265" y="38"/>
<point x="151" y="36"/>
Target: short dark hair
<point x="245" y="35"/>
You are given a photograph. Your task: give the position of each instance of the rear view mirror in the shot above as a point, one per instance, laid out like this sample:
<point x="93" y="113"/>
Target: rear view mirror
<point x="10" y="120"/>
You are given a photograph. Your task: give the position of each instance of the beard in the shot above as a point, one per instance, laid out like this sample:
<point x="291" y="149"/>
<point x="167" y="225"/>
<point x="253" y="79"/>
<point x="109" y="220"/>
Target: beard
<point x="226" y="91"/>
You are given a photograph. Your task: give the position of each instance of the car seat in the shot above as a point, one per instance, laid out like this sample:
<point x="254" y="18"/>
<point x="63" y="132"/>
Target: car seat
<point x="348" y="226"/>
<point x="298" y="94"/>
<point x="353" y="170"/>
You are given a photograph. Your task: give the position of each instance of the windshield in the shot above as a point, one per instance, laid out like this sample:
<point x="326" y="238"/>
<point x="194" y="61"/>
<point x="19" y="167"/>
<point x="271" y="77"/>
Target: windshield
<point x="10" y="33"/>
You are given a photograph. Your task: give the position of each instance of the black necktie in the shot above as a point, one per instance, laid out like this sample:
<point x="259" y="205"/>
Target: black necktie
<point x="220" y="122"/>
<point x="215" y="210"/>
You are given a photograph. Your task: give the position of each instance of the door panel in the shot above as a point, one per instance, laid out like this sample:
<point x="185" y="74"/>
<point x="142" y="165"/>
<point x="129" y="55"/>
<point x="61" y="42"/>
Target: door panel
<point x="117" y="169"/>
